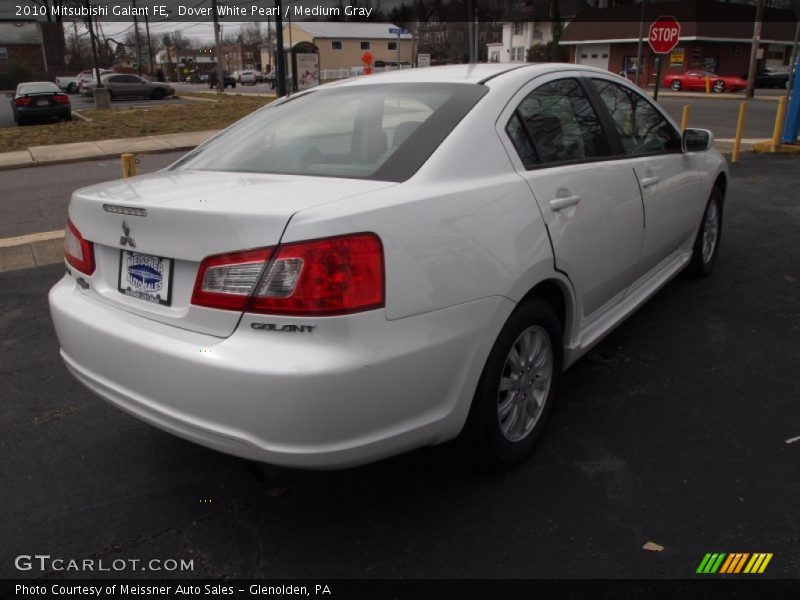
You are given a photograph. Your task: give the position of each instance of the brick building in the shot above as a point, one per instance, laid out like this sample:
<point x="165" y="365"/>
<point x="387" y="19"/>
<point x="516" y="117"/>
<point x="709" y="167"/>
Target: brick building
<point x="718" y="40"/>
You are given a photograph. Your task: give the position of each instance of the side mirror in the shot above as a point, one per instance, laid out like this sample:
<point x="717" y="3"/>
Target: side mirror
<point x="697" y="140"/>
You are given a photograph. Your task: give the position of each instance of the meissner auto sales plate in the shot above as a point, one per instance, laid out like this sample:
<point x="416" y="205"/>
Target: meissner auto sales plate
<point x="145" y="277"/>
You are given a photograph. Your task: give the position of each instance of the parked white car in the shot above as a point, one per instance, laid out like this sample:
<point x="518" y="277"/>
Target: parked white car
<point x="386" y="261"/>
<point x="247" y="77"/>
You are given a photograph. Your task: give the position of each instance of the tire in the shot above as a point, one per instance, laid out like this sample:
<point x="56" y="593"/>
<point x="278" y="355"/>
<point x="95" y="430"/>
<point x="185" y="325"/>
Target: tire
<point x="72" y="88"/>
<point x="158" y="94"/>
<point x="233" y="85"/>
<point x="67" y="118"/>
<point x="675" y="85"/>
<point x="110" y="95"/>
<point x="494" y="426"/>
<point x="718" y="86"/>
<point x="211" y="86"/>
<point x="706" y="247"/>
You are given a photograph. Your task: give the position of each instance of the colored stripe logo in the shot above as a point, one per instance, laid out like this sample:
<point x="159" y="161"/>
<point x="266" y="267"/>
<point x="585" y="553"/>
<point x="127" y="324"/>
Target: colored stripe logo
<point x="734" y="563"/>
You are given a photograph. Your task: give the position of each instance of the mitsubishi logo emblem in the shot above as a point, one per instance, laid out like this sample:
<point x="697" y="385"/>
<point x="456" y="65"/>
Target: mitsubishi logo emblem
<point x="127" y="239"/>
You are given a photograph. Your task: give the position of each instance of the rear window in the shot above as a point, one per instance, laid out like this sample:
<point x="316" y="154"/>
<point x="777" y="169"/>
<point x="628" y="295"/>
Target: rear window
<point x="38" y="88"/>
<point x="383" y="132"/>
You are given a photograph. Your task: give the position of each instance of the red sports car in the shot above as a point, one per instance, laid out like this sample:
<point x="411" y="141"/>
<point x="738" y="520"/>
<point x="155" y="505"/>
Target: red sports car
<point x="696" y="81"/>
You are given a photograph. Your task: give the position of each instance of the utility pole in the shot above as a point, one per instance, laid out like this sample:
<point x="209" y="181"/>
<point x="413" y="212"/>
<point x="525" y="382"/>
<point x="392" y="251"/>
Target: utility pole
<point x="94" y="47"/>
<point x="280" y="57"/>
<point x="639" y="45"/>
<point x="471" y="30"/>
<point x="751" y="72"/>
<point x="149" y="44"/>
<point x="218" y="43"/>
<point x="793" y="59"/>
<point x="136" y="35"/>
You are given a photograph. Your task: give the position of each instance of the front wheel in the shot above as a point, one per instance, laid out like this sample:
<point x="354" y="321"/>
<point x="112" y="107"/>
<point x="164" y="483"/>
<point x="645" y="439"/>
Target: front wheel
<point x="706" y="245"/>
<point x="719" y="86"/>
<point x="516" y="391"/>
<point x="676" y="85"/>
<point x="158" y="94"/>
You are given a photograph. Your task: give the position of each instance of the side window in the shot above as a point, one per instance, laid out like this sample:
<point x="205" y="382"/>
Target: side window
<point x="117" y="79"/>
<point x="641" y="127"/>
<point x="560" y="123"/>
<point x="522" y="142"/>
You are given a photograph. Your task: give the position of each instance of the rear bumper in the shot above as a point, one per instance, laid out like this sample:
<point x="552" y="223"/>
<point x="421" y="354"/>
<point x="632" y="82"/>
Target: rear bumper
<point x="41" y="112"/>
<point x="356" y="389"/>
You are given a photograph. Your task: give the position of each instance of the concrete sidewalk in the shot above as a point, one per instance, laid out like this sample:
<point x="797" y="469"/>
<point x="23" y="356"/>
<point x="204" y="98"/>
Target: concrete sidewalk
<point x="63" y="153"/>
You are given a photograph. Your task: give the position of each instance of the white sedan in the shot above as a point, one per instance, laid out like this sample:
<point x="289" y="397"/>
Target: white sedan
<point x="382" y="263"/>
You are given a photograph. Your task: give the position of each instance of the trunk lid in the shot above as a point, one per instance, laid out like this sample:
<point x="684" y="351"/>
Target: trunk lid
<point x="191" y="215"/>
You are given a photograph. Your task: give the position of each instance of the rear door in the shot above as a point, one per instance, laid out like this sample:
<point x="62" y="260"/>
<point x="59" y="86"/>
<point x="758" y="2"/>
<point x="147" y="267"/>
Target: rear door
<point x="590" y="201"/>
<point x="669" y="181"/>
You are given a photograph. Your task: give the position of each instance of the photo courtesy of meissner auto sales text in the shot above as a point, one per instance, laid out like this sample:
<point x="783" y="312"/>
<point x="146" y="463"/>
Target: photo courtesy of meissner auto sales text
<point x="399" y="299"/>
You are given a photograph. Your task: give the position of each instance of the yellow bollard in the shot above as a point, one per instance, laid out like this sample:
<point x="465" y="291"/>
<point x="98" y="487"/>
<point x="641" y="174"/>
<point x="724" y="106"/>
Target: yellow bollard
<point x="708" y="84"/>
<point x="687" y="111"/>
<point x="128" y="165"/>
<point x="776" y="133"/>
<point x="739" y="130"/>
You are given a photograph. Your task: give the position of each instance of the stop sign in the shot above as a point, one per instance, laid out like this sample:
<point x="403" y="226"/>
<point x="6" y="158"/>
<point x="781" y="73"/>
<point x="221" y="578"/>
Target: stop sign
<point x="664" y="33"/>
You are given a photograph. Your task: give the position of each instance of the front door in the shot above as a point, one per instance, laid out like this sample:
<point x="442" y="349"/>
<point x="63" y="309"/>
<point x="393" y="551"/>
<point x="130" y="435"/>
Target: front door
<point x="670" y="184"/>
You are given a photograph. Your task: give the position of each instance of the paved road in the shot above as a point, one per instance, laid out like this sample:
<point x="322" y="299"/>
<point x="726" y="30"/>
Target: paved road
<point x="84" y="104"/>
<point x="673" y="430"/>
<point x="720" y="114"/>
<point x="35" y="199"/>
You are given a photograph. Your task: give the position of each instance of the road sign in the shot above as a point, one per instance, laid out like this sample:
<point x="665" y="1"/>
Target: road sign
<point x="367" y="57"/>
<point x="398" y="31"/>
<point x="664" y="34"/>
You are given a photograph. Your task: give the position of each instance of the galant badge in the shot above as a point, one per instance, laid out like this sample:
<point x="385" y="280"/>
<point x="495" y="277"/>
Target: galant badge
<point x="127" y="239"/>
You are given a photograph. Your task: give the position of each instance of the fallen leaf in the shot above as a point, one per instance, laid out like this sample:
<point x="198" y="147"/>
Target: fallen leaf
<point x="652" y="547"/>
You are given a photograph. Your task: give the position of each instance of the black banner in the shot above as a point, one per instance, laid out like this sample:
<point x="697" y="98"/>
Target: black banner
<point x="402" y="589"/>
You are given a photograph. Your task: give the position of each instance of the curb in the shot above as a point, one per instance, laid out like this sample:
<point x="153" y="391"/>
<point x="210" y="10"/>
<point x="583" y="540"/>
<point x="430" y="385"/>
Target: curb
<point x="34" y="250"/>
<point x="764" y="148"/>
<point x="26" y="158"/>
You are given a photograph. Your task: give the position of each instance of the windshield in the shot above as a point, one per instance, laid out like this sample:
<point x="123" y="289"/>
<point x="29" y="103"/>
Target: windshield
<point x="38" y="88"/>
<point x="382" y="131"/>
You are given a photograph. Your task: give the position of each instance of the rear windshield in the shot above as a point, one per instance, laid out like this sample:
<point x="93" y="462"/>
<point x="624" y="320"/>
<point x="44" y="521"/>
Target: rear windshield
<point x="37" y="88"/>
<point x="382" y="131"/>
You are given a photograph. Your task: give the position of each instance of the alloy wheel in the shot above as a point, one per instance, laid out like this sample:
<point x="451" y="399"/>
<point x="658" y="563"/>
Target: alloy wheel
<point x="524" y="383"/>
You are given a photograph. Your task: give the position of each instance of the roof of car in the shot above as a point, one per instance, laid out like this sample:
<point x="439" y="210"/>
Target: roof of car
<point x="448" y="73"/>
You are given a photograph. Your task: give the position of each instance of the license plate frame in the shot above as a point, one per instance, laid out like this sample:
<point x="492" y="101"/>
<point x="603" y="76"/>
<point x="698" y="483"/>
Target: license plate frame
<point x="147" y="284"/>
<point x="42" y="103"/>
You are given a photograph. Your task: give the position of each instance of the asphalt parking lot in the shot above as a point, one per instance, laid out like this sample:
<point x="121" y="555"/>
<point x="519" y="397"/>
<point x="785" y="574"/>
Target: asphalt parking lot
<point x="676" y="430"/>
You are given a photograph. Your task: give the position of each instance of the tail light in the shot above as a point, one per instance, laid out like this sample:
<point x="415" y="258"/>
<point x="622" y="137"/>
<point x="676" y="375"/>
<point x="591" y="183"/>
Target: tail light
<point x="78" y="252"/>
<point x="60" y="98"/>
<point x="331" y="276"/>
<point x="227" y="280"/>
<point x="23" y="101"/>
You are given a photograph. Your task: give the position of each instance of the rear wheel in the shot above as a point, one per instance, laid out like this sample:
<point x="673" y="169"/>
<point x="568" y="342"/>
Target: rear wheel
<point x="719" y="86"/>
<point x="516" y="392"/>
<point x="706" y="244"/>
<point x="675" y="85"/>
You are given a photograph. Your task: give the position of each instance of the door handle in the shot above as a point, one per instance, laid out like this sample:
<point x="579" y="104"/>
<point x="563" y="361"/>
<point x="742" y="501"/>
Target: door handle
<point x="561" y="203"/>
<point x="647" y="182"/>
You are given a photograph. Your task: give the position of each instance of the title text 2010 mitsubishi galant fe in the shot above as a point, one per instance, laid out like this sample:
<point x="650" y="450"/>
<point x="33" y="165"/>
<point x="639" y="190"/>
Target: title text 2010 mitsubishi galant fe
<point x="378" y="264"/>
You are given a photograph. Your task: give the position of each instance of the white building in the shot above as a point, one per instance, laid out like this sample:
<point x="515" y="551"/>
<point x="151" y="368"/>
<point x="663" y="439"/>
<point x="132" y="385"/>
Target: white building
<point x="517" y="38"/>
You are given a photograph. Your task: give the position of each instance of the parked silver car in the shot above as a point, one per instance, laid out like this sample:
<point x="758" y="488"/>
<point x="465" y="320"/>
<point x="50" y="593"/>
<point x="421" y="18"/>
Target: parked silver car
<point x="124" y="85"/>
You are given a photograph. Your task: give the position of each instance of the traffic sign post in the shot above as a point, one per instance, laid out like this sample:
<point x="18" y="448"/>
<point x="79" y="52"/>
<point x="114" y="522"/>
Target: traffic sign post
<point x="663" y="37"/>
<point x="399" y="31"/>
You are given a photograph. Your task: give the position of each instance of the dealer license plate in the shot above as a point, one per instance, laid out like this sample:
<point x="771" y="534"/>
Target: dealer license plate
<point x="145" y="277"/>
